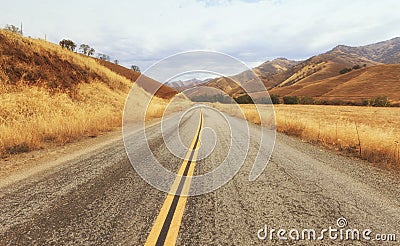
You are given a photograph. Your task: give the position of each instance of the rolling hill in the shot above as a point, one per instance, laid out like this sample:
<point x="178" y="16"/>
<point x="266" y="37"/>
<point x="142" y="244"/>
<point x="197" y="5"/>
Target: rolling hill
<point x="50" y="95"/>
<point x="321" y="75"/>
<point x="181" y="85"/>
<point x="387" y="52"/>
<point x="150" y="85"/>
<point x="364" y="83"/>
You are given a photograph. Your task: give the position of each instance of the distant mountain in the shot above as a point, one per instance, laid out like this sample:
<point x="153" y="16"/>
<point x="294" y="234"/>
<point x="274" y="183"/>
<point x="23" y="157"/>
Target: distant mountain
<point x="321" y="67"/>
<point x="148" y="84"/>
<point x="284" y="77"/>
<point x="181" y="85"/>
<point x="264" y="72"/>
<point x="363" y="83"/>
<point x="385" y="52"/>
<point x="278" y="65"/>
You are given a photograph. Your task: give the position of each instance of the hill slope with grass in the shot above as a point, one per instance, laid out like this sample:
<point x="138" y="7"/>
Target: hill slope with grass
<point x="50" y="95"/>
<point x="387" y="52"/>
<point x="345" y="73"/>
<point x="150" y="85"/>
<point x="365" y="83"/>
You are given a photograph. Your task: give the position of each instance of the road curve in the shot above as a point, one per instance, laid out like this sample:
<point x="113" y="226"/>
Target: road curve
<point x="98" y="199"/>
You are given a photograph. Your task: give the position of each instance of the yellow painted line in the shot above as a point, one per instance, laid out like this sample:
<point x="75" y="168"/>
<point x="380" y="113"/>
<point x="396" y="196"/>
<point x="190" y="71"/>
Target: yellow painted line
<point x="165" y="229"/>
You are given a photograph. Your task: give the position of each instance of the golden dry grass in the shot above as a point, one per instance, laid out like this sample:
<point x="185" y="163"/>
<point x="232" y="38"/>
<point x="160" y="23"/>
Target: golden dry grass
<point x="34" y="116"/>
<point x="371" y="133"/>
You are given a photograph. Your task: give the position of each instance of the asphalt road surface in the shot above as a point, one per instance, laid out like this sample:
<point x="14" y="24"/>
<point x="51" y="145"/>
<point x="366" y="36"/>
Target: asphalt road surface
<point x="97" y="198"/>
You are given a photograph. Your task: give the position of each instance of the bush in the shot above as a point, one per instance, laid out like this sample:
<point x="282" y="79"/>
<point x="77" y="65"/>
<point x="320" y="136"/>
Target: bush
<point x="365" y="102"/>
<point x="244" y="99"/>
<point x="345" y="70"/>
<point x="337" y="102"/>
<point x="212" y="98"/>
<point x="306" y="100"/>
<point x="275" y="99"/>
<point x="381" y="101"/>
<point x="13" y="29"/>
<point x="290" y="100"/>
<point x="68" y="44"/>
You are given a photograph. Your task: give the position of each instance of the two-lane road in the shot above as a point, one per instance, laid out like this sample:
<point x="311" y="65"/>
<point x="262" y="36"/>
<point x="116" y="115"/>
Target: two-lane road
<point x="98" y="198"/>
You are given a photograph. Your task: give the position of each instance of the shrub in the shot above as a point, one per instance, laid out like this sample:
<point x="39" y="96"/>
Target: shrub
<point x="275" y="99"/>
<point x="211" y="98"/>
<point x="290" y="100"/>
<point x="68" y="44"/>
<point x="365" y="102"/>
<point x="381" y="101"/>
<point x="244" y="99"/>
<point x="345" y="70"/>
<point x="306" y="100"/>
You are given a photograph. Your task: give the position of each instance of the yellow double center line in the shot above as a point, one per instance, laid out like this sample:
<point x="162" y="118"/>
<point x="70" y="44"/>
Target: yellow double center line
<point x="166" y="227"/>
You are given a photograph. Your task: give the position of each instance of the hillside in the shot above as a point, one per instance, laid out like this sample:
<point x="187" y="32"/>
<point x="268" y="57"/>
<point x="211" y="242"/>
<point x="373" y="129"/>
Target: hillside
<point x="181" y="85"/>
<point x="283" y="73"/>
<point x="387" y="52"/>
<point x="50" y="95"/>
<point x="364" y="83"/>
<point x="321" y="75"/>
<point x="150" y="85"/>
<point x="270" y="68"/>
<point x="265" y="72"/>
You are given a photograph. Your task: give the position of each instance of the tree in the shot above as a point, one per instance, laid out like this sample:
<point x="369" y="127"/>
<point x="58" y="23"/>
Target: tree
<point x="13" y="29"/>
<point x="291" y="100"/>
<point x="306" y="100"/>
<point x="135" y="68"/>
<point x="275" y="99"/>
<point x="90" y="52"/>
<point x="68" y="44"/>
<point x="345" y="70"/>
<point x="381" y="101"/>
<point x="104" y="57"/>
<point x="84" y="48"/>
<point x="365" y="102"/>
<point x="244" y="99"/>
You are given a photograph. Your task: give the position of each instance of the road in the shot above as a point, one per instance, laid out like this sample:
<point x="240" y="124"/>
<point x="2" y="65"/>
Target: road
<point x="97" y="198"/>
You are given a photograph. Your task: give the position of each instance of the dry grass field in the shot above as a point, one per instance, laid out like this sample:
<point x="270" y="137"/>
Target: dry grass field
<point x="50" y="95"/>
<point x="371" y="133"/>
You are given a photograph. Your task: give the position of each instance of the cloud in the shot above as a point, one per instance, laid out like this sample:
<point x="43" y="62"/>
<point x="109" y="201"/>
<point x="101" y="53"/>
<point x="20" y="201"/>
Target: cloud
<point x="142" y="32"/>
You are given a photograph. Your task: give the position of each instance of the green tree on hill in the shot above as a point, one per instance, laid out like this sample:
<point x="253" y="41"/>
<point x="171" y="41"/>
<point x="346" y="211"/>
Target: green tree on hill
<point x="68" y="44"/>
<point x="244" y="99"/>
<point x="275" y="99"/>
<point x="13" y="29"/>
<point x="104" y="57"/>
<point x="290" y="100"/>
<point x="135" y="68"/>
<point x="381" y="101"/>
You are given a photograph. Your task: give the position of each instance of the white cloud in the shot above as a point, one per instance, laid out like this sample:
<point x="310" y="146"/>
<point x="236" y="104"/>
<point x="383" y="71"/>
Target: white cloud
<point x="142" y="32"/>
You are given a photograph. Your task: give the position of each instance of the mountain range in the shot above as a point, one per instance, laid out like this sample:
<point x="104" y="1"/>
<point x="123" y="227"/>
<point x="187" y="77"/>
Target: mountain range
<point x="342" y="73"/>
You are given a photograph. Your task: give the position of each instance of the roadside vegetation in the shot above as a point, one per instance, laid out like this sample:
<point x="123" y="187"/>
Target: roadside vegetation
<point x="370" y="133"/>
<point x="379" y="101"/>
<point x="51" y="95"/>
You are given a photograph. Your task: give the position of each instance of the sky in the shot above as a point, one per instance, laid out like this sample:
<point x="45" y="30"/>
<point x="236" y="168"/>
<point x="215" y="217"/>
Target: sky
<point x="144" y="32"/>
